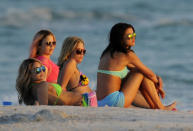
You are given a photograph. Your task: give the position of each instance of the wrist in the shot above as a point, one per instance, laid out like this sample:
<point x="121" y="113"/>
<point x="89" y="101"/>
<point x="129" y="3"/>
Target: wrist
<point x="157" y="79"/>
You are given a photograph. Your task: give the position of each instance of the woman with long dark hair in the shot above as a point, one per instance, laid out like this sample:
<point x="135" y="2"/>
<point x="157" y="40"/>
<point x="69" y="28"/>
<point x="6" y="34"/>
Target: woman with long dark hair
<point x="121" y="74"/>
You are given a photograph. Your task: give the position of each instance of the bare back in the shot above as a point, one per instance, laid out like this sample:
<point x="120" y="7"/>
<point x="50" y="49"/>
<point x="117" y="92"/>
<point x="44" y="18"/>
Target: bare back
<point x="107" y="84"/>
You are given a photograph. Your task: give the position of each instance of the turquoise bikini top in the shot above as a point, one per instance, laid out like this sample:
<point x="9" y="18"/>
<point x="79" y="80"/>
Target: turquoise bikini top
<point x="121" y="74"/>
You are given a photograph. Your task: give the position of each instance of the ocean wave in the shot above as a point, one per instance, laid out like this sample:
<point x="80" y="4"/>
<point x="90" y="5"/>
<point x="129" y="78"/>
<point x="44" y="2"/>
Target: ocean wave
<point x="174" y="77"/>
<point x="18" y="17"/>
<point x="167" y="22"/>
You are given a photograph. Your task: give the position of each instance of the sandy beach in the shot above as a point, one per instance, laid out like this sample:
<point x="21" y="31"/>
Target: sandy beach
<point x="87" y="118"/>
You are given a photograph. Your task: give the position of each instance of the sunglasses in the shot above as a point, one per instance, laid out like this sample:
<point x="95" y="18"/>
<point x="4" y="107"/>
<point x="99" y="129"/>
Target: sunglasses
<point x="80" y="51"/>
<point x="131" y="36"/>
<point x="39" y="69"/>
<point x="51" y="43"/>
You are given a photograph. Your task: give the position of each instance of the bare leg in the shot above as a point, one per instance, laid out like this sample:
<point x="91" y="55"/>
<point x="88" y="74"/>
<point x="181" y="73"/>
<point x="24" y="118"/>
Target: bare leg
<point x="151" y="93"/>
<point x="143" y="100"/>
<point x="131" y="86"/>
<point x="148" y="98"/>
<point x="132" y="83"/>
<point x="66" y="98"/>
<point x="140" y="101"/>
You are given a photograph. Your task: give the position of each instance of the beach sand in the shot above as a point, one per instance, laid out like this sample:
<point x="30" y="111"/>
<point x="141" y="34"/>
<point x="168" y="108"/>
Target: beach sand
<point x="88" y="118"/>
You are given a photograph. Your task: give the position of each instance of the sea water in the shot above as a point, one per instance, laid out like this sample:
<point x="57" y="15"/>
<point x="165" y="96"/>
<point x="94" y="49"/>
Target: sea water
<point x="164" y="38"/>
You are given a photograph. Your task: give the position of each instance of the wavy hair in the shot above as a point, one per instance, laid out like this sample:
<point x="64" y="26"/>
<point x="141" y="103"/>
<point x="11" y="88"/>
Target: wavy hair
<point x="116" y="38"/>
<point x="69" y="44"/>
<point x="37" y="41"/>
<point x="23" y="81"/>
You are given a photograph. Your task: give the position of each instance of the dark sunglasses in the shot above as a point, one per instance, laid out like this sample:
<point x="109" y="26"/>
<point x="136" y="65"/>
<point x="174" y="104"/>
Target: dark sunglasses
<point x="80" y="51"/>
<point x="51" y="43"/>
<point x="39" y="69"/>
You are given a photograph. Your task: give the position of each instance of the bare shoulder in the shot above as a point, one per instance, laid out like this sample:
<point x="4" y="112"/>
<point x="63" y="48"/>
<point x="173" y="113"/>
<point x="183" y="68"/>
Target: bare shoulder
<point x="71" y="62"/>
<point x="69" y="65"/>
<point x="131" y="54"/>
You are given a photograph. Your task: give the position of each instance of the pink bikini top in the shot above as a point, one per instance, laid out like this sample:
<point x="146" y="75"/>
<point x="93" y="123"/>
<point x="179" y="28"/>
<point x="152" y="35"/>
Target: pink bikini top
<point x="53" y="69"/>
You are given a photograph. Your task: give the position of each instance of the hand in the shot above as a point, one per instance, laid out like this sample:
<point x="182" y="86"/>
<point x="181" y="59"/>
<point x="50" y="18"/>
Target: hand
<point x="159" y="87"/>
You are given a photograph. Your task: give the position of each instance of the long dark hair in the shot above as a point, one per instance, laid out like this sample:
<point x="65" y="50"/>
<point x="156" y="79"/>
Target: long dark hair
<point x="116" y="38"/>
<point x="23" y="82"/>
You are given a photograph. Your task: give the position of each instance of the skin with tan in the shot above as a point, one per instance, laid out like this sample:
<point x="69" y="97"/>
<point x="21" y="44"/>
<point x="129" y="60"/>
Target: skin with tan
<point x="47" y="50"/>
<point x="69" y="75"/>
<point x="140" y="77"/>
<point x="37" y="78"/>
<point x="66" y="98"/>
<point x="42" y="92"/>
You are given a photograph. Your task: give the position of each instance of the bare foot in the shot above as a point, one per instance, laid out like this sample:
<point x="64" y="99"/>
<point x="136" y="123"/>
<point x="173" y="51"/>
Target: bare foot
<point x="170" y="107"/>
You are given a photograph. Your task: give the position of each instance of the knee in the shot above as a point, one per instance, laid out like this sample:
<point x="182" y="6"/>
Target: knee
<point x="147" y="80"/>
<point x="137" y="73"/>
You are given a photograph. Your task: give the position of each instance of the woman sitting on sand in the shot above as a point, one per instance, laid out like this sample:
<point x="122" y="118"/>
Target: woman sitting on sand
<point x="121" y="74"/>
<point x="42" y="47"/>
<point x="33" y="89"/>
<point x="70" y="78"/>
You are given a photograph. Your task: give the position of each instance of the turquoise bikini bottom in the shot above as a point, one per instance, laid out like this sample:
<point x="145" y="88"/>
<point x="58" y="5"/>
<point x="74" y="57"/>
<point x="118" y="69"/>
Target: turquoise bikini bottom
<point x="116" y="99"/>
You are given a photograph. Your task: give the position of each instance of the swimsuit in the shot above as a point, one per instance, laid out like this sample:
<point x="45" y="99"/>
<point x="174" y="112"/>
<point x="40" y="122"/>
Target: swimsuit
<point x="58" y="89"/>
<point x="83" y="81"/>
<point x="116" y="98"/>
<point x="53" y="69"/>
<point x="121" y="74"/>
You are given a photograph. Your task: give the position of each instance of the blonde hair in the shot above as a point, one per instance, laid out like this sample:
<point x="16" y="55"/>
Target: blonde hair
<point x="23" y="81"/>
<point x="69" y="44"/>
<point x="37" y="41"/>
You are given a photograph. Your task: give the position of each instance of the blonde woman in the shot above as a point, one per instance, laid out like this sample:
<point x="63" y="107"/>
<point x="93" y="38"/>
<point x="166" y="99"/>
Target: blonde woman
<point x="70" y="78"/>
<point x="33" y="89"/>
<point x="42" y="47"/>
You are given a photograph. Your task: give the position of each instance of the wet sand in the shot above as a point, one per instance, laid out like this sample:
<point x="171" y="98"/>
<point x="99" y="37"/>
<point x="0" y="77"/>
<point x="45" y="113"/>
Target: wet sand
<point x="88" y="118"/>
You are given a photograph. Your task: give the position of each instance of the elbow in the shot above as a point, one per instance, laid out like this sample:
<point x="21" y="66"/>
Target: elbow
<point x="63" y="87"/>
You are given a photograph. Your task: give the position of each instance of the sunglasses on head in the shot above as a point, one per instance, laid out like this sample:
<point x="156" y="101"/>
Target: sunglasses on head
<point x="39" y="69"/>
<point x="80" y="51"/>
<point x="131" y="36"/>
<point x="51" y="43"/>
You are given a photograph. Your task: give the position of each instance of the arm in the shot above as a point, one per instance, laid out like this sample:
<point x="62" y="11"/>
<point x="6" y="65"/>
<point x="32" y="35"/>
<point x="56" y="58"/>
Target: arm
<point x="159" y="87"/>
<point x="66" y="74"/>
<point x="42" y="94"/>
<point x="134" y="60"/>
<point x="136" y="63"/>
